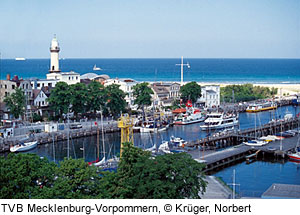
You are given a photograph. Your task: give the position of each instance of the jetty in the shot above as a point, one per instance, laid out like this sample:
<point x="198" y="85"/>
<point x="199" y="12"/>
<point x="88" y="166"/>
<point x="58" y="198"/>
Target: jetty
<point x="235" y="151"/>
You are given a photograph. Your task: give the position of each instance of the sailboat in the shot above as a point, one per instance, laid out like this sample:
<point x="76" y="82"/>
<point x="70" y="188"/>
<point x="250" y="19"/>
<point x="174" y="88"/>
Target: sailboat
<point x="296" y="156"/>
<point x="256" y="142"/>
<point x="99" y="162"/>
<point x="95" y="68"/>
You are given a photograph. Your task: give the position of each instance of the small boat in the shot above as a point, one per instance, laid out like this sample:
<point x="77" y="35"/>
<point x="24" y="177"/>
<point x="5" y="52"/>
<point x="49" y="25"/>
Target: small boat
<point x="164" y="147"/>
<point x="295" y="156"/>
<point x="151" y="149"/>
<point x="256" y="143"/>
<point x="24" y="146"/>
<point x="20" y="58"/>
<point x="219" y="121"/>
<point x="177" y="141"/>
<point x="153" y="127"/>
<point x="95" y="68"/>
<point x="101" y="162"/>
<point x="253" y="108"/>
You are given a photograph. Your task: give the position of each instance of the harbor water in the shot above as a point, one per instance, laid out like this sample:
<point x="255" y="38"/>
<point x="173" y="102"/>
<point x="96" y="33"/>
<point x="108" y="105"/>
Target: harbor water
<point x="253" y="178"/>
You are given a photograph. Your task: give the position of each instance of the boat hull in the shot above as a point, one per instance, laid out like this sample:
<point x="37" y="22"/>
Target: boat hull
<point x="23" y="148"/>
<point x="261" y="109"/>
<point x="294" y="156"/>
<point x="218" y="127"/>
<point x="188" y="122"/>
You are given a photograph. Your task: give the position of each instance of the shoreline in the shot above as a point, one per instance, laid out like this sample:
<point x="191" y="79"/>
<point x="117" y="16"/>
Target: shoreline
<point x="283" y="88"/>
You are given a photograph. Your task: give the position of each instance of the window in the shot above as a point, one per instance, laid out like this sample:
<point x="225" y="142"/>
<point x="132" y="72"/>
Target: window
<point x="6" y="94"/>
<point x="72" y="78"/>
<point x="50" y="84"/>
<point x="38" y="85"/>
<point x="26" y="86"/>
<point x="43" y="102"/>
<point x="69" y="78"/>
<point x="5" y="86"/>
<point x="43" y="84"/>
<point x="13" y="87"/>
<point x="76" y="77"/>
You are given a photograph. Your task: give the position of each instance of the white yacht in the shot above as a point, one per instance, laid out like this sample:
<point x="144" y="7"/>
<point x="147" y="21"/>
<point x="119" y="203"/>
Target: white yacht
<point x="219" y="121"/>
<point x="24" y="146"/>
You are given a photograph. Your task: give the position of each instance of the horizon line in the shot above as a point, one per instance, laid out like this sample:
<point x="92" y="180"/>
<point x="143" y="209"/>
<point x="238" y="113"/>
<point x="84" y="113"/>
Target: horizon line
<point x="246" y="58"/>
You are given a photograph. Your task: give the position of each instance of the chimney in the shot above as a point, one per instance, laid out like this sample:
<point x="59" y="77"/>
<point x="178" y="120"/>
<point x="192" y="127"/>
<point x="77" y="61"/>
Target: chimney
<point x="8" y="77"/>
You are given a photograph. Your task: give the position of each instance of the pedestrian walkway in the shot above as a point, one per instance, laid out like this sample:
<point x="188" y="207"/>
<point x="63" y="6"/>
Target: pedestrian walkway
<point x="215" y="189"/>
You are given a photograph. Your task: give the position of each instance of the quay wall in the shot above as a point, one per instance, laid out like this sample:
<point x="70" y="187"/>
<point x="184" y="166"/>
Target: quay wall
<point x="44" y="137"/>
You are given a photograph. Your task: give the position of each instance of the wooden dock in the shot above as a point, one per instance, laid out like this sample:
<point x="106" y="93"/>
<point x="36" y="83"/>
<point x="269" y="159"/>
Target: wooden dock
<point x="220" y="159"/>
<point x="237" y="137"/>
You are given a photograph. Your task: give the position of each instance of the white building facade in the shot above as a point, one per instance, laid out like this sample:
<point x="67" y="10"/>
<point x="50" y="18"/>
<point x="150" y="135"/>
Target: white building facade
<point x="126" y="85"/>
<point x="210" y="96"/>
<point x="40" y="83"/>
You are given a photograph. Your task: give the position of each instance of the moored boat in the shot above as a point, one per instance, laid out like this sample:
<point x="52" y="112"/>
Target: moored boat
<point x="24" y="146"/>
<point x="256" y="143"/>
<point x="253" y="108"/>
<point x="219" y="121"/>
<point x="295" y="156"/>
<point x="191" y="115"/>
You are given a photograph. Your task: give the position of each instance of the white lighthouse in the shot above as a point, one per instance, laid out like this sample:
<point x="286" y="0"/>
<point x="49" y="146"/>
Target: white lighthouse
<point x="54" y="50"/>
<point x="54" y="74"/>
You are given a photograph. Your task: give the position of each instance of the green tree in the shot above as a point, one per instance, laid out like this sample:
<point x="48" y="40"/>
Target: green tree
<point x="190" y="91"/>
<point x="16" y="102"/>
<point x="142" y="94"/>
<point x="60" y="98"/>
<point x="167" y="176"/>
<point x="74" y="179"/>
<point x="96" y="96"/>
<point x="246" y="92"/>
<point x="115" y="99"/>
<point x="79" y="98"/>
<point x="24" y="176"/>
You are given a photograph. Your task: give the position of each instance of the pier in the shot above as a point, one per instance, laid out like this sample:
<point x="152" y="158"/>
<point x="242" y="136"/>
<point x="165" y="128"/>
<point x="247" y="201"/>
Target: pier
<point x="236" y="137"/>
<point x="238" y="151"/>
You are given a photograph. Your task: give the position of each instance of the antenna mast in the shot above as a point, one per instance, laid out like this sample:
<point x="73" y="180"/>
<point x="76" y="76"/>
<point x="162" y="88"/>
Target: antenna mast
<point x="181" y="65"/>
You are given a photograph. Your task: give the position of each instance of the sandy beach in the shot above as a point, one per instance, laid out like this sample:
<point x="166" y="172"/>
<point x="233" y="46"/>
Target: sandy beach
<point x="283" y="89"/>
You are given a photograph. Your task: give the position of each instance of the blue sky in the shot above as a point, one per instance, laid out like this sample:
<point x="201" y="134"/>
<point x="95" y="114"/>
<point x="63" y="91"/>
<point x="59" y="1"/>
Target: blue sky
<point x="151" y="29"/>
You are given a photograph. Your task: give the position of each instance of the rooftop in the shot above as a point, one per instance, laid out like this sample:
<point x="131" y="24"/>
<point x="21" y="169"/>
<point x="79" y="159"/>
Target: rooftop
<point x="282" y="191"/>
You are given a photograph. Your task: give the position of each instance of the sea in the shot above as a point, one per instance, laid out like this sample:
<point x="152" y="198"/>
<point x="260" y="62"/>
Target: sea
<point x="201" y="70"/>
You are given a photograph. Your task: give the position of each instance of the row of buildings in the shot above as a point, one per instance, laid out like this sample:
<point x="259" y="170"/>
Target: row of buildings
<point x="38" y="90"/>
